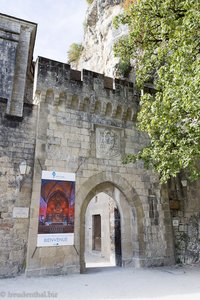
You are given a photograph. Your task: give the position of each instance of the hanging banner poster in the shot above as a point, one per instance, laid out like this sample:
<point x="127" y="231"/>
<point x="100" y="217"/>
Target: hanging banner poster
<point x="56" y="213"/>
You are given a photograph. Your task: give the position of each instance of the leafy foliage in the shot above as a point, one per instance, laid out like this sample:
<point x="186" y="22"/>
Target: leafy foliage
<point x="164" y="41"/>
<point x="126" y="3"/>
<point x="123" y="68"/>
<point x="74" y="52"/>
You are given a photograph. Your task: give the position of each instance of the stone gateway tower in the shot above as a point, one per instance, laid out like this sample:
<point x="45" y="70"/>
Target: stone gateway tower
<point x="81" y="123"/>
<point x="85" y="125"/>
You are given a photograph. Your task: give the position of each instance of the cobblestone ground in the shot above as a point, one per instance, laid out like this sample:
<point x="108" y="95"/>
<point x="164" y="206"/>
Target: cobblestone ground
<point x="164" y="283"/>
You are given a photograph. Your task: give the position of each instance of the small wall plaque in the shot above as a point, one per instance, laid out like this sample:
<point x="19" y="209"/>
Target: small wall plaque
<point x="20" y="212"/>
<point x="175" y="222"/>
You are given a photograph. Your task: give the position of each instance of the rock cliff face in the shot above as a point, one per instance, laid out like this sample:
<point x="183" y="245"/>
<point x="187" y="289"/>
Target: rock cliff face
<point x="100" y="36"/>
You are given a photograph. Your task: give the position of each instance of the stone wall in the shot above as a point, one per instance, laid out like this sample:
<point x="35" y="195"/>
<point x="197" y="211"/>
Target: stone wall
<point x="86" y="125"/>
<point x="104" y="206"/>
<point x="185" y="210"/>
<point x="99" y="38"/>
<point x="80" y="122"/>
<point x="17" y="142"/>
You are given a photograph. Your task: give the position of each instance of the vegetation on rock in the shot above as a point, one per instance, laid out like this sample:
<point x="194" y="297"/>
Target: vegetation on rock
<point x="164" y="41"/>
<point x="74" y="52"/>
<point x="90" y="1"/>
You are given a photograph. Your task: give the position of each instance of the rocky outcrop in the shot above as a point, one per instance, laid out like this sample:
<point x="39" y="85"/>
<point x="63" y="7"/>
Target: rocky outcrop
<point x="100" y="36"/>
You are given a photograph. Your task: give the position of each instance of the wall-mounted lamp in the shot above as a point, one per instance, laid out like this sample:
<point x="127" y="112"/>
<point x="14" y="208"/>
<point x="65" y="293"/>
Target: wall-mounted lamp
<point x="184" y="182"/>
<point x="23" y="170"/>
<point x="22" y="167"/>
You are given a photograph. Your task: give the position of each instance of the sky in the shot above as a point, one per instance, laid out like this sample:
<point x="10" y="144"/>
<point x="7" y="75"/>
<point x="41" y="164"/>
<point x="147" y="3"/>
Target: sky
<point x="60" y="23"/>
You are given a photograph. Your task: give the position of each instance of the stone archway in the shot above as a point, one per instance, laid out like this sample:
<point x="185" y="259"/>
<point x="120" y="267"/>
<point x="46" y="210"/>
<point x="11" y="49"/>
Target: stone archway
<point x="130" y="208"/>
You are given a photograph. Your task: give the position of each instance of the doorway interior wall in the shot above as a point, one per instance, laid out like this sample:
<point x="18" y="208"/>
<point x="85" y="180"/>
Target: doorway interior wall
<point x="100" y="231"/>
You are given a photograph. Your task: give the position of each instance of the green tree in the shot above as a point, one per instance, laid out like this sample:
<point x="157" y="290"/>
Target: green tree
<point x="74" y="52"/>
<point x="164" y="41"/>
<point x="123" y="68"/>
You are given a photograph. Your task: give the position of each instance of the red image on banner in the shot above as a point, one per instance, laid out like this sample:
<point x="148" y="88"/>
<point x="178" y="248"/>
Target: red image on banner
<point x="57" y="200"/>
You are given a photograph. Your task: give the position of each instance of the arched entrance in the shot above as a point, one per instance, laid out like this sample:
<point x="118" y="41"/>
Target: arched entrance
<point x="102" y="232"/>
<point x="131" y="213"/>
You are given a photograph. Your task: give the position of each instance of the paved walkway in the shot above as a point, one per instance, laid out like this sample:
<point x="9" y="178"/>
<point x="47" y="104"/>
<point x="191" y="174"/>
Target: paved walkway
<point x="166" y="283"/>
<point x="97" y="260"/>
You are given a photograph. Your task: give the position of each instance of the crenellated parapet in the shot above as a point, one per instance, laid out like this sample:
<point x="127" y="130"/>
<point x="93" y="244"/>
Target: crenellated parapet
<point x="86" y="91"/>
